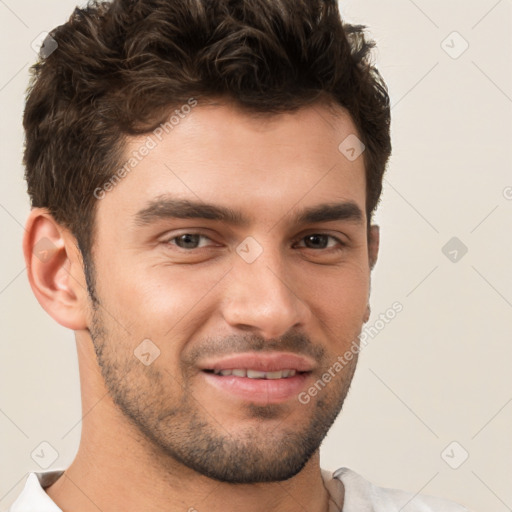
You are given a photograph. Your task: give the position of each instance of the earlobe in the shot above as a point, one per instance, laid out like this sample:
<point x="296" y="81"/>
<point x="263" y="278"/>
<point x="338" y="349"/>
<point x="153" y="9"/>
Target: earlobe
<point x="373" y="244"/>
<point x="54" y="269"/>
<point x="367" y="314"/>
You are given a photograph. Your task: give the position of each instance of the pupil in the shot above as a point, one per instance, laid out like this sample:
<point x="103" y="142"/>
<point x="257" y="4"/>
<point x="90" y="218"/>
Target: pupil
<point x="315" y="238"/>
<point x="189" y="239"/>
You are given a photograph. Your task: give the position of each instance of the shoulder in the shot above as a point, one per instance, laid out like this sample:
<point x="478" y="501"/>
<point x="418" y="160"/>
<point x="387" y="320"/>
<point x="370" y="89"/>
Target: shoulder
<point x="363" y="495"/>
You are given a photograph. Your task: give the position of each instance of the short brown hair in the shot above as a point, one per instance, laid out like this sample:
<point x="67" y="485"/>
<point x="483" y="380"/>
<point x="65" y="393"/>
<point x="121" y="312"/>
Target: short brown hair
<point x="120" y="67"/>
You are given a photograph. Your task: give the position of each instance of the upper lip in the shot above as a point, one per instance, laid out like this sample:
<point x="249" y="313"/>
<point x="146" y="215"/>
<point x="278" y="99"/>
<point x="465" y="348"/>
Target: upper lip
<point x="264" y="362"/>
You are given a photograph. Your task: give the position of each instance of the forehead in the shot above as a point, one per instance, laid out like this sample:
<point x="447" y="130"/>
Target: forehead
<point x="230" y="127"/>
<point x="263" y="165"/>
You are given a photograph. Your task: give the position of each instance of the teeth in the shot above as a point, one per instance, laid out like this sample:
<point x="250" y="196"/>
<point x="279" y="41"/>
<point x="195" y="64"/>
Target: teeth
<point x="256" y="374"/>
<point x="275" y="375"/>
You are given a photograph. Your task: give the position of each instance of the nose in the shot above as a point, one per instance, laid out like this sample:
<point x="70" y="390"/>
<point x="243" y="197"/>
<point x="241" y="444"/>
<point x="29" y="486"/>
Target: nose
<point x="263" y="297"/>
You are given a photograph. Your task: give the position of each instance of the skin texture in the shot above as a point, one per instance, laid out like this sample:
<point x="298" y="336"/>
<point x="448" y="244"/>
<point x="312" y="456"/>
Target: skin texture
<point x="163" y="427"/>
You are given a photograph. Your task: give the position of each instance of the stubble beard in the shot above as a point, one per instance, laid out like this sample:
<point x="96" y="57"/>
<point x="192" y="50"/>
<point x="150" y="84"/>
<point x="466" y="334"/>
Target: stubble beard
<point x="267" y="450"/>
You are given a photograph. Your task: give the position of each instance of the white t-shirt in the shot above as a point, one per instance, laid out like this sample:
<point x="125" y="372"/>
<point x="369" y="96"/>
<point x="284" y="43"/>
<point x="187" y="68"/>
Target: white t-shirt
<point x="360" y="495"/>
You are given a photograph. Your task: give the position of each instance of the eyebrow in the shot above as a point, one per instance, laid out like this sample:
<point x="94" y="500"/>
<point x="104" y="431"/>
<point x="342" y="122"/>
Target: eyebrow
<point x="171" y="208"/>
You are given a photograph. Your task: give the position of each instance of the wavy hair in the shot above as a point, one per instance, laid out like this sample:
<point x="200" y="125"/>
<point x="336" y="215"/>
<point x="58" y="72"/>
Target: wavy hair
<point x="120" y="67"/>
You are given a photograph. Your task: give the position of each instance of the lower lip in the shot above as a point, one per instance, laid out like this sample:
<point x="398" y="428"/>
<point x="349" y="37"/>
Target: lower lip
<point x="264" y="391"/>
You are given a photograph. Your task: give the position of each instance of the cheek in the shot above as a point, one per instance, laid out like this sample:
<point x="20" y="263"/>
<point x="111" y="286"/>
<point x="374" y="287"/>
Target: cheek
<point x="161" y="300"/>
<point x="340" y="299"/>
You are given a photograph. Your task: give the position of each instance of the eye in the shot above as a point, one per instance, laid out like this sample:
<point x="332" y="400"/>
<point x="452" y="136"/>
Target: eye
<point x="320" y="241"/>
<point x="190" y="241"/>
<point x="187" y="241"/>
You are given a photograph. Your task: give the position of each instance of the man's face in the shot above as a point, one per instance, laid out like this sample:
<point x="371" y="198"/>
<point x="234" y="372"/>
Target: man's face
<point x="223" y="301"/>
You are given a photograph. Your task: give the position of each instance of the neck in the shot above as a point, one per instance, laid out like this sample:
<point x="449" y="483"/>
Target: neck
<point x="117" y="468"/>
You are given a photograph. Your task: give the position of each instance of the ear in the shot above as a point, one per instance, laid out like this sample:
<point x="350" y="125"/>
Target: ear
<point x="367" y="314"/>
<point x="55" y="270"/>
<point x="373" y="251"/>
<point x="373" y="244"/>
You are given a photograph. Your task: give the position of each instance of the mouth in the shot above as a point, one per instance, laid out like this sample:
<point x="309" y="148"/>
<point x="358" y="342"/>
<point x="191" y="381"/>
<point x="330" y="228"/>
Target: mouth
<point x="256" y="374"/>
<point x="259" y="378"/>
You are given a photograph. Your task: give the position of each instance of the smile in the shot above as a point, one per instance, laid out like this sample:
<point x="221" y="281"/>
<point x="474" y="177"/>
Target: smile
<point x="262" y="378"/>
<point x="255" y="374"/>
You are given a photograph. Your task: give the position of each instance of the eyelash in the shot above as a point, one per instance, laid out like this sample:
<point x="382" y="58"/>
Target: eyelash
<point x="342" y="245"/>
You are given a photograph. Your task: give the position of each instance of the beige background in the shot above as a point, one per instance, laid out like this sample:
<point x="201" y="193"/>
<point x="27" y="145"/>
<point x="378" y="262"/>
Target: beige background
<point x="440" y="371"/>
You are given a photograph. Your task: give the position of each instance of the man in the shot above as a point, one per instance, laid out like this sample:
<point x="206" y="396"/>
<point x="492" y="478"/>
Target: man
<point x="203" y="176"/>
